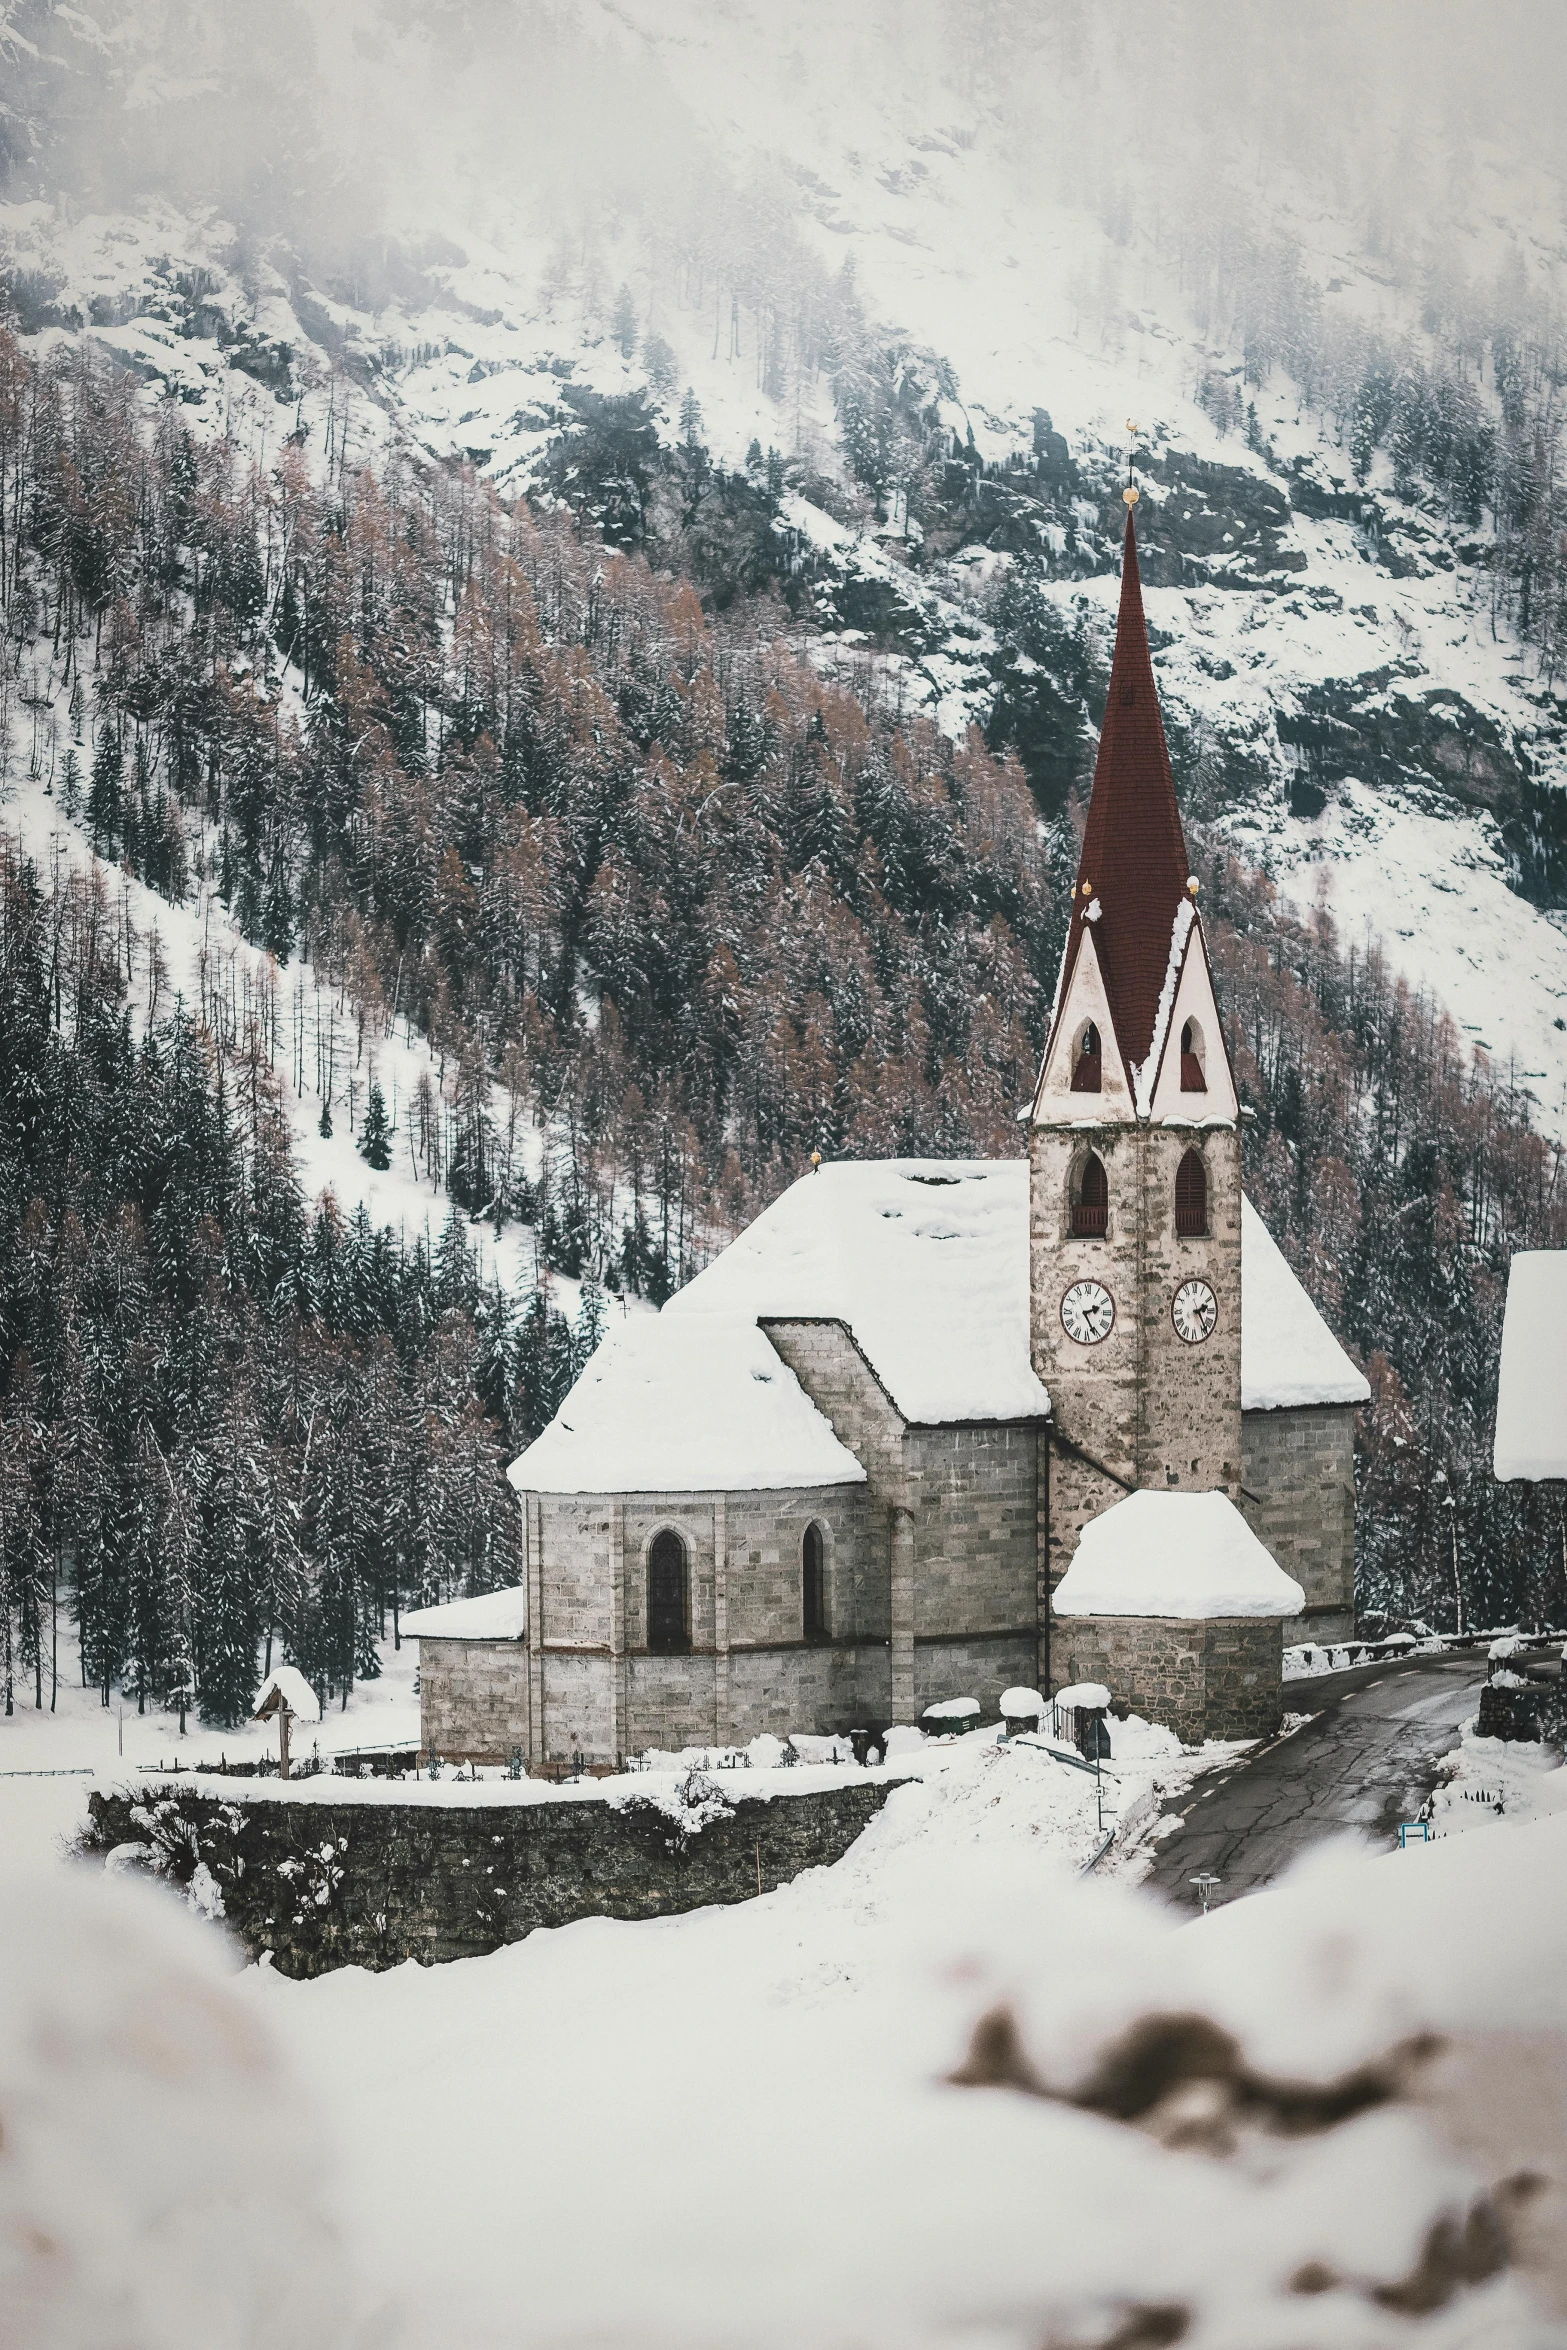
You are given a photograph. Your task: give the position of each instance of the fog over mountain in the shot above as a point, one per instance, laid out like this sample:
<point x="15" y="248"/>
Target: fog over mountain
<point x="1321" y="251"/>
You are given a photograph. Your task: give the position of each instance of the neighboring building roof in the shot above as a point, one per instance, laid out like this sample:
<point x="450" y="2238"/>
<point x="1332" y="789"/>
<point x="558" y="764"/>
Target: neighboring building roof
<point x="287" y="1686"/>
<point x="1531" y="1396"/>
<point x="1288" y="1353"/>
<point x="1134" y="852"/>
<point x="495" y="1615"/>
<point x="926" y="1260"/>
<point x="685" y="1403"/>
<point x="1174" y="1554"/>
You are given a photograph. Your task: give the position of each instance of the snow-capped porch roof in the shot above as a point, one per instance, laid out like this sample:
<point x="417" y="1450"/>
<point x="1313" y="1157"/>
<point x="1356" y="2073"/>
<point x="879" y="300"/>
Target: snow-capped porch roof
<point x="494" y="1615"/>
<point x="1531" y="1396"/>
<point x="1182" y="1555"/>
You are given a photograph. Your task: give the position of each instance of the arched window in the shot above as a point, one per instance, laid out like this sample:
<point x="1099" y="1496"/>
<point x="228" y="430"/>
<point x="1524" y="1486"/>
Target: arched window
<point x="1088" y="1066"/>
<point x="1091" y="1206"/>
<point x="1192" y="1078"/>
<point x="814" y="1579"/>
<point x="668" y="1622"/>
<point x="1191" y="1196"/>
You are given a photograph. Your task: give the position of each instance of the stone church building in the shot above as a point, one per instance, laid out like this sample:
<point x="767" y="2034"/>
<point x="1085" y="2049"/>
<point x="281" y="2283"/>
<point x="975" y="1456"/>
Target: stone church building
<point x="848" y="1470"/>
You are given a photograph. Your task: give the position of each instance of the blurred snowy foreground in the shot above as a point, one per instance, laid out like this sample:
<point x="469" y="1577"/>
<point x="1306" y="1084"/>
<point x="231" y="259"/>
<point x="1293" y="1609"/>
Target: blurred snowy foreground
<point x="948" y="2092"/>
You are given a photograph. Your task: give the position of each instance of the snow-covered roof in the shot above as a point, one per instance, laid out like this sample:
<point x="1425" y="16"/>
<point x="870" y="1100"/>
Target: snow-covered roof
<point x="288" y="1684"/>
<point x="496" y="1615"/>
<point x="1174" y="1554"/>
<point x="1531" y="1397"/>
<point x="685" y="1403"/>
<point x="926" y="1260"/>
<point x="1288" y="1353"/>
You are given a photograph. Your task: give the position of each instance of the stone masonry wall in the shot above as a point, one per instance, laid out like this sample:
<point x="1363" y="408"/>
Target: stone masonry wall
<point x="840" y="1382"/>
<point x="1141" y="1408"/>
<point x="1299" y="1497"/>
<point x="324" y="1884"/>
<point x="473" y="1699"/>
<point x="600" y="1692"/>
<point x="1190" y="1436"/>
<point x="976" y="1559"/>
<point x="976" y="1533"/>
<point x="1219" y="1677"/>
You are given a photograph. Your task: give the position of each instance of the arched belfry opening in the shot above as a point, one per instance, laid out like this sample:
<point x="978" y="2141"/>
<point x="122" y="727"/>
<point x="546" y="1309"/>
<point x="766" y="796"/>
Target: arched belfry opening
<point x="813" y="1578"/>
<point x="1194" y="1057"/>
<point x="668" y="1600"/>
<point x="1191" y="1197"/>
<point x="1088" y="1062"/>
<point x="1091" y="1200"/>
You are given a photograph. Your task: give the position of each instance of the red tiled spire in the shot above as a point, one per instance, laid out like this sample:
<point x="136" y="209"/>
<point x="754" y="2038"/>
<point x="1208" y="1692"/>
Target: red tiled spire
<point x="1134" y="852"/>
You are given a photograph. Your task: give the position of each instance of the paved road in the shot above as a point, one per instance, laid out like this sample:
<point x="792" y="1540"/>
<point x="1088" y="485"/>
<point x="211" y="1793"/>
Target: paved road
<point x="1367" y="1761"/>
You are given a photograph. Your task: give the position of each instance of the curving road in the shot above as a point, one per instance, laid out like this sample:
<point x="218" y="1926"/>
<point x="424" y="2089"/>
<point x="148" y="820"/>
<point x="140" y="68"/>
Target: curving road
<point x="1367" y="1760"/>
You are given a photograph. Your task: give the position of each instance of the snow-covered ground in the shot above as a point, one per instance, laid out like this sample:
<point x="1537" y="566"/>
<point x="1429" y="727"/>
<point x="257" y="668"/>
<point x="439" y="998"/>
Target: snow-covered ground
<point x="945" y="2092"/>
<point x="1488" y="1779"/>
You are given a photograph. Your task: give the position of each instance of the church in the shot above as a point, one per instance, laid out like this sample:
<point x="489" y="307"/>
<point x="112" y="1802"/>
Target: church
<point x="937" y="1428"/>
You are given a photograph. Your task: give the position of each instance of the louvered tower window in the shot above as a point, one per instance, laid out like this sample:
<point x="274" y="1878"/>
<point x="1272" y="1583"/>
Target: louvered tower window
<point x="1091" y="1208"/>
<point x="1191" y="1197"/>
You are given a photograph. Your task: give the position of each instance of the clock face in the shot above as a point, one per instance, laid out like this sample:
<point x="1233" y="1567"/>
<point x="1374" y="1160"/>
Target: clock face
<point x="1194" y="1311"/>
<point x="1088" y="1312"/>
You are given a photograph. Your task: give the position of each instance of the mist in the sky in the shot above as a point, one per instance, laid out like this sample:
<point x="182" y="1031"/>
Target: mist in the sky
<point x="363" y="132"/>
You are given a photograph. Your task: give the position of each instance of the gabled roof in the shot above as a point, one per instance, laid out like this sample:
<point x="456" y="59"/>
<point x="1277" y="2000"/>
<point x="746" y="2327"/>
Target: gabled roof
<point x="1134" y="852"/>
<point x="1288" y="1353"/>
<point x="926" y="1260"/>
<point x="685" y="1403"/>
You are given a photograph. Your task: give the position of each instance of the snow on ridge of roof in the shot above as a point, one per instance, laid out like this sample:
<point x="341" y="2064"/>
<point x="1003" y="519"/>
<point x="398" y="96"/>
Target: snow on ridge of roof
<point x="686" y="1403"/>
<point x="926" y="1260"/>
<point x="1531" y="1394"/>
<point x="289" y="1683"/>
<point x="495" y="1615"/>
<point x="1168" y="1554"/>
<point x="1288" y="1353"/>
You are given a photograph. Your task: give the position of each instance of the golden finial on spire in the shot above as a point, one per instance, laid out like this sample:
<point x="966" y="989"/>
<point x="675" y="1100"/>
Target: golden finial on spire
<point x="1129" y="495"/>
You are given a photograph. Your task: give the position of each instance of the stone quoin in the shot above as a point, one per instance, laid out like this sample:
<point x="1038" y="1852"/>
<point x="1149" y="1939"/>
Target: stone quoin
<point x="845" y="1470"/>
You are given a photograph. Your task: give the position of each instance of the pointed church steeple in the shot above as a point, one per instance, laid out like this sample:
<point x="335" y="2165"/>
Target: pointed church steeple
<point x="1134" y="867"/>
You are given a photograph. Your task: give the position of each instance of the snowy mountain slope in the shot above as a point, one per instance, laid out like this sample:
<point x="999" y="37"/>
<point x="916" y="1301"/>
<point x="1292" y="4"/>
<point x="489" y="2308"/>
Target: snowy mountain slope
<point x="319" y="1051"/>
<point x="682" y="185"/>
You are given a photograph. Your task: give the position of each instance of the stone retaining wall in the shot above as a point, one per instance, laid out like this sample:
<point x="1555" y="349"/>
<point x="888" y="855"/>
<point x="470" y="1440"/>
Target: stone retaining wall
<point x="324" y="1883"/>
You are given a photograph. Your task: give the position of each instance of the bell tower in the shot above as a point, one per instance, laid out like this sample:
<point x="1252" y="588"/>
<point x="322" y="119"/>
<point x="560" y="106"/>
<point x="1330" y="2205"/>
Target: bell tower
<point x="1135" y="1184"/>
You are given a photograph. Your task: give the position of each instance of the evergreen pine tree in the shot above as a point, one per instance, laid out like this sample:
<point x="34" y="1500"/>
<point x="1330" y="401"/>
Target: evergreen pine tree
<point x="375" y="1134"/>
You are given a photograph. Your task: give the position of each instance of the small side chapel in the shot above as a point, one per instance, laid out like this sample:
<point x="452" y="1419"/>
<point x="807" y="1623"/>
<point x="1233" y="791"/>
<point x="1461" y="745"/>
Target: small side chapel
<point x="934" y="1428"/>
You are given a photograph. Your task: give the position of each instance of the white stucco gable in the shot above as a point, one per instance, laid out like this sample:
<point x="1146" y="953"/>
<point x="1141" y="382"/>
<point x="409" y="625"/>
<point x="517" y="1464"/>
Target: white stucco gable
<point x="1195" y="1001"/>
<point x="1085" y="1000"/>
